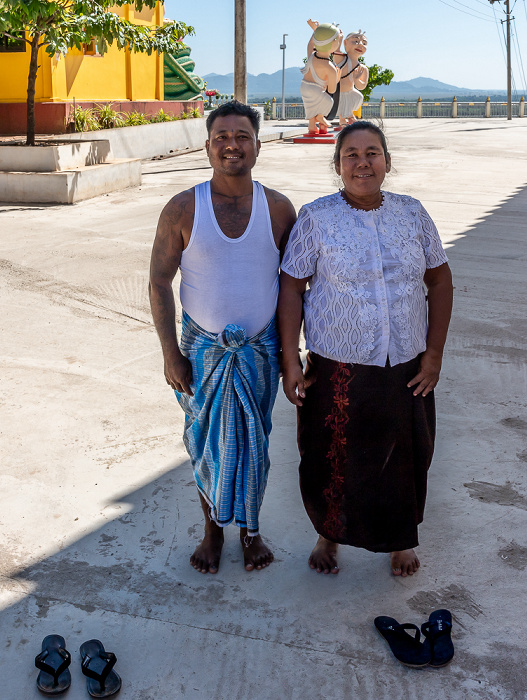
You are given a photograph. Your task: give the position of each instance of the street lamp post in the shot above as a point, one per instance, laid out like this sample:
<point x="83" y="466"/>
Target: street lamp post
<point x="283" y="47"/>
<point x="509" y="66"/>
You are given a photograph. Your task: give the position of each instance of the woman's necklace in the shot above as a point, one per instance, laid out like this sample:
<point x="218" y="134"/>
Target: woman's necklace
<point x="356" y="205"/>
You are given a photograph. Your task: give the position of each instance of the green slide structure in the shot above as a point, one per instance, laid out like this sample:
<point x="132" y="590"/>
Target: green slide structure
<point x="180" y="82"/>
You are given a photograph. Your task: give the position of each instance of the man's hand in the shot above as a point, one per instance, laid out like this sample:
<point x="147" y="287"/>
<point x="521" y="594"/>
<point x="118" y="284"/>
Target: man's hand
<point x="293" y="384"/>
<point x="428" y="374"/>
<point x="178" y="374"/>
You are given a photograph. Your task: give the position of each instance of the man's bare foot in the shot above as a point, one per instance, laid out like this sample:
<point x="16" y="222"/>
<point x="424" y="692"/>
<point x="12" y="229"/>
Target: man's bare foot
<point x="404" y="563"/>
<point x="324" y="556"/>
<point x="206" y="557"/>
<point x="256" y="554"/>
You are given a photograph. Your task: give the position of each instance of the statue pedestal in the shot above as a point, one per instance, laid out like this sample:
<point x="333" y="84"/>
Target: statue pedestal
<point x="329" y="137"/>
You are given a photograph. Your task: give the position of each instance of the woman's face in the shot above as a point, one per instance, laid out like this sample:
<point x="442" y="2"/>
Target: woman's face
<point x="362" y="165"/>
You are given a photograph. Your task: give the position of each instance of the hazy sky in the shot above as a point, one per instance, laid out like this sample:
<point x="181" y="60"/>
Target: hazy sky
<point x="431" y="38"/>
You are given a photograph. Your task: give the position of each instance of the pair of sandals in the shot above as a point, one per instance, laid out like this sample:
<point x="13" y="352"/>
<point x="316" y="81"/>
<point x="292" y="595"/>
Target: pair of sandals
<point x="437" y="648"/>
<point x="97" y="664"/>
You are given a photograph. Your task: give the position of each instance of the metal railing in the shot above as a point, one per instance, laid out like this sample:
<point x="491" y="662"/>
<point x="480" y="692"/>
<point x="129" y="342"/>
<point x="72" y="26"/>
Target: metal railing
<point x="413" y="109"/>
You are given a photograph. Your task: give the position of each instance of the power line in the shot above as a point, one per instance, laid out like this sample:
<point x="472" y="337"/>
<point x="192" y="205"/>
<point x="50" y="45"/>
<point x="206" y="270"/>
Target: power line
<point x="471" y="8"/>
<point x="519" y="57"/>
<point x="500" y="34"/>
<point x="465" y="12"/>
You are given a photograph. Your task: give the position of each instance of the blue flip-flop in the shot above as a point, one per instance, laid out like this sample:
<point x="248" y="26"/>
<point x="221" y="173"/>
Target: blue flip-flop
<point x="407" y="648"/>
<point x="438" y="630"/>
<point x="97" y="665"/>
<point x="53" y="661"/>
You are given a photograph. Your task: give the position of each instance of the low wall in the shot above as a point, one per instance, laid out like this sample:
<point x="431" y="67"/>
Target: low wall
<point x="39" y="159"/>
<point x="149" y="140"/>
<point x="53" y="117"/>
<point x="69" y="186"/>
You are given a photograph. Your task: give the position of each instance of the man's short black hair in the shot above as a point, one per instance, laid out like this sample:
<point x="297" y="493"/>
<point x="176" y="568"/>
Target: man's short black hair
<point x="235" y="107"/>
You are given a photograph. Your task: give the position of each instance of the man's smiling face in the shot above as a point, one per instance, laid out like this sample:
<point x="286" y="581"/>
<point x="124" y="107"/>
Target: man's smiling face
<point x="232" y="146"/>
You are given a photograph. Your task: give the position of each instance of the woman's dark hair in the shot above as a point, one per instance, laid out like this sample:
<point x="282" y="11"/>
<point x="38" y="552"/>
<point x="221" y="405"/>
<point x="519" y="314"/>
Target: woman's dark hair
<point x="235" y="107"/>
<point x="359" y="126"/>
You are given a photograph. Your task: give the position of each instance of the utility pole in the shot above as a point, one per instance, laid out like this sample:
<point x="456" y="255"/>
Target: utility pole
<point x="509" y="64"/>
<point x="283" y="47"/>
<point x="240" y="52"/>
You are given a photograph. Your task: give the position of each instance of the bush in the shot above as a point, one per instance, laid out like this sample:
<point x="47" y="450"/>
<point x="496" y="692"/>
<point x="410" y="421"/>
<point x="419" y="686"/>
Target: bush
<point x="107" y="117"/>
<point x="161" y="116"/>
<point x="135" y="119"/>
<point x="85" y="119"/>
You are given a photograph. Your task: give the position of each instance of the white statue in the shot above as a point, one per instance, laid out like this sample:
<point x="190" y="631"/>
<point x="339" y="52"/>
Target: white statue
<point x="353" y="77"/>
<point x="321" y="75"/>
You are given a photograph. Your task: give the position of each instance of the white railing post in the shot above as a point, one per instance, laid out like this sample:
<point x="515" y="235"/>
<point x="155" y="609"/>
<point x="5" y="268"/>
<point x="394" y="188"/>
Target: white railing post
<point x="454" y="108"/>
<point x="273" y="108"/>
<point x="381" y="108"/>
<point x="487" y="108"/>
<point x="419" y="108"/>
<point x="521" y="112"/>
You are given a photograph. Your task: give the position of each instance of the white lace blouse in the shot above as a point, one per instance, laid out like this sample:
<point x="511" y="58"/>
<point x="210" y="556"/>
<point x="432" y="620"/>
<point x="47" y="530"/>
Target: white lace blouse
<point x="366" y="298"/>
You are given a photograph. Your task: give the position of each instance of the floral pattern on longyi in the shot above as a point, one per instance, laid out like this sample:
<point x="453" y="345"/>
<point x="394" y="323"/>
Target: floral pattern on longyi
<point x="336" y="421"/>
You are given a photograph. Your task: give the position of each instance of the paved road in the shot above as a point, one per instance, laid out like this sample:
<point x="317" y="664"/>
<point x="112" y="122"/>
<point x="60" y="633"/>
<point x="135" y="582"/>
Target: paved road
<point x="99" y="513"/>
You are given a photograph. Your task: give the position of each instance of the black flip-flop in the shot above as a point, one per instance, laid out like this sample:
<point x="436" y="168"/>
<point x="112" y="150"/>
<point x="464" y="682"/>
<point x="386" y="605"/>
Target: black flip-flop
<point x="97" y="665"/>
<point x="53" y="661"/>
<point x="438" y="630"/>
<point x="406" y="648"/>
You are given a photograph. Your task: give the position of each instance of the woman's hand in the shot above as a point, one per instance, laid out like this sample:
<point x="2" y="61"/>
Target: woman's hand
<point x="293" y="384"/>
<point x="428" y="375"/>
<point x="438" y="281"/>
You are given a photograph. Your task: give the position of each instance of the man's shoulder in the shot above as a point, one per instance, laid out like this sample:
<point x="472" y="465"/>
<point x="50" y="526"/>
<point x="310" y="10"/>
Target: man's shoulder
<point x="181" y="199"/>
<point x="277" y="200"/>
<point x="282" y="214"/>
<point x="180" y="206"/>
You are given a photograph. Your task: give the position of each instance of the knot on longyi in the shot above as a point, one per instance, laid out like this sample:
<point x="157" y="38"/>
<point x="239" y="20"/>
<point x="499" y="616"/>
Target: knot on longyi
<point x="232" y="337"/>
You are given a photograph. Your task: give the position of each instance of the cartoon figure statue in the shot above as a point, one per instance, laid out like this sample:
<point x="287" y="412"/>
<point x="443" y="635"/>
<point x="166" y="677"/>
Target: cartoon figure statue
<point x="320" y="73"/>
<point x="353" y="77"/>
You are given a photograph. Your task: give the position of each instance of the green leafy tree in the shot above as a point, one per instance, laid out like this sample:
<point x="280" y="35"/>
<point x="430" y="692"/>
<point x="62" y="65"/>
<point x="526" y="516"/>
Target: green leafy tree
<point x="60" y="25"/>
<point x="378" y="76"/>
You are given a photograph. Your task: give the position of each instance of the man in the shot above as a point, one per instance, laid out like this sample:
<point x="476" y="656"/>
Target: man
<point x="227" y="237"/>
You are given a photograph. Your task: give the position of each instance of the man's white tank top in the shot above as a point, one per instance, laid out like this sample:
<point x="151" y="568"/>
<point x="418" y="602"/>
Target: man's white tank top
<point x="230" y="280"/>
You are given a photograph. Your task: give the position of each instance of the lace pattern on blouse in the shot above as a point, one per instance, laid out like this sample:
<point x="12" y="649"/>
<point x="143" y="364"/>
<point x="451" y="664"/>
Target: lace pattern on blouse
<point x="366" y="297"/>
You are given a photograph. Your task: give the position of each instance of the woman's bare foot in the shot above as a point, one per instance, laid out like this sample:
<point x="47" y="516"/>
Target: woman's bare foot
<point x="206" y="557"/>
<point x="404" y="563"/>
<point x="256" y="554"/>
<point x="323" y="558"/>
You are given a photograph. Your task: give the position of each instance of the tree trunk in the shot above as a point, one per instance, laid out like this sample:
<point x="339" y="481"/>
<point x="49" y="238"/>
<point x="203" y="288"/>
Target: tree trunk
<point x="31" y="80"/>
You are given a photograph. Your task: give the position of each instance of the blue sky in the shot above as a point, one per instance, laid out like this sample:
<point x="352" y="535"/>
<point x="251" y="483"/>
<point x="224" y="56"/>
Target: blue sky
<point x="455" y="41"/>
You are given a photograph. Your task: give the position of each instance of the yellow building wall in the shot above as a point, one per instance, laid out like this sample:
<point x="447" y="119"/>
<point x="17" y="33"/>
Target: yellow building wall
<point x="118" y="75"/>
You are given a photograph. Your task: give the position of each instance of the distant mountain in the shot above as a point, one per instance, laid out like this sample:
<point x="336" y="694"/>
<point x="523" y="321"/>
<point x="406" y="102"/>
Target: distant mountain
<point x="426" y="88"/>
<point x="270" y="85"/>
<point x="263" y="85"/>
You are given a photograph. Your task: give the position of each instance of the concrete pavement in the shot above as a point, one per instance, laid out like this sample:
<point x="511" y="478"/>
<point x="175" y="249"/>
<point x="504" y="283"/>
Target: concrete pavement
<point x="99" y="512"/>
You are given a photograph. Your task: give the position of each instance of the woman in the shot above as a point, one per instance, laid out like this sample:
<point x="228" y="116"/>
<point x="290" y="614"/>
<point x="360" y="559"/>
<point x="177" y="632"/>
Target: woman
<point x="366" y="416"/>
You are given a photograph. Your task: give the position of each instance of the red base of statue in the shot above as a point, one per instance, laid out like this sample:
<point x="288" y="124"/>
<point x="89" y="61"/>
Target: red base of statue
<point x="316" y="137"/>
